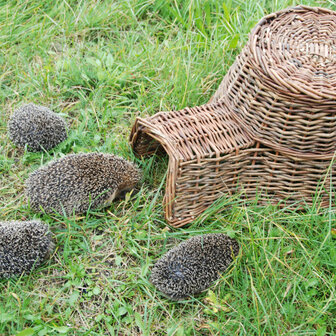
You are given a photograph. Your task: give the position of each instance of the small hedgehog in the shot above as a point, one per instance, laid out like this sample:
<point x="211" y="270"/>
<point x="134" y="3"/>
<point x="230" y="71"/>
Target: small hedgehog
<point x="79" y="182"/>
<point x="23" y="246"/>
<point x="36" y="127"/>
<point x="193" y="265"/>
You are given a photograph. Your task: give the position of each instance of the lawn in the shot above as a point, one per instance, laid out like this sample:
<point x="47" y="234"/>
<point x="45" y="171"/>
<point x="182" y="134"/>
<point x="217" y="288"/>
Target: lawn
<point x="100" y="64"/>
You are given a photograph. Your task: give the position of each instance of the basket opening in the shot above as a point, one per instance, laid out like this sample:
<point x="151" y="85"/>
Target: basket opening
<point x="146" y="145"/>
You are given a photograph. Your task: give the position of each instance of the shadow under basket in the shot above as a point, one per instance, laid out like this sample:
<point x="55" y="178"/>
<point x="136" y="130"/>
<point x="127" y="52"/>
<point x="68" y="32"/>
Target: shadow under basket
<point x="211" y="155"/>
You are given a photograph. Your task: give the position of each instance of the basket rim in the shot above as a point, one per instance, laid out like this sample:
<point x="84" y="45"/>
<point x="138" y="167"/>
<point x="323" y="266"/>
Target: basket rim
<point x="315" y="9"/>
<point x="287" y="83"/>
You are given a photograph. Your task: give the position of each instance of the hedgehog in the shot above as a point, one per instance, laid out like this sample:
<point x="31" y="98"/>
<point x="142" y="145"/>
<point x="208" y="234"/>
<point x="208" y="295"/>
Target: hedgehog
<point x="79" y="182"/>
<point x="192" y="266"/>
<point x="37" y="128"/>
<point x="24" y="245"/>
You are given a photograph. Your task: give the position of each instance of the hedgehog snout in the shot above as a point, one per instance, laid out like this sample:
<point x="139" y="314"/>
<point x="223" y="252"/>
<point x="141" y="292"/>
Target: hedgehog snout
<point x="122" y="194"/>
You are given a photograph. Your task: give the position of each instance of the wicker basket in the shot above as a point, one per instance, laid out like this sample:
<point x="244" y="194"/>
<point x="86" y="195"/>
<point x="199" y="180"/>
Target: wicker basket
<point x="211" y="155"/>
<point x="282" y="87"/>
<point x="269" y="130"/>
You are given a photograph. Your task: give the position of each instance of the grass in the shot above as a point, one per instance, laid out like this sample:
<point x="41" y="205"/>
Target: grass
<point x="101" y="64"/>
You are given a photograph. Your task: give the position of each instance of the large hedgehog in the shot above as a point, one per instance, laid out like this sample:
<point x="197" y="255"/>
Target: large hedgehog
<point x="79" y="182"/>
<point x="36" y="127"/>
<point x="192" y="266"/>
<point x="23" y="245"/>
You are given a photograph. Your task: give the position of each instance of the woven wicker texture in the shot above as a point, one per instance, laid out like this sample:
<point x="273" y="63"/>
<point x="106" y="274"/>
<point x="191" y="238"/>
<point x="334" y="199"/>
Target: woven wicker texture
<point x="270" y="129"/>
<point x="211" y="155"/>
<point x="283" y="84"/>
<point x="196" y="139"/>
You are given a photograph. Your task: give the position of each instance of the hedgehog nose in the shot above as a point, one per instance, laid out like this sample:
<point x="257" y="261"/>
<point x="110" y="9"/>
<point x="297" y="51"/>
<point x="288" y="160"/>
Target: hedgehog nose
<point x="121" y="194"/>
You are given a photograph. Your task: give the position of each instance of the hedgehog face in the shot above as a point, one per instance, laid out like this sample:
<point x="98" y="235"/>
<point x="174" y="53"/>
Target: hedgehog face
<point x="23" y="246"/>
<point x="79" y="182"/>
<point x="193" y="265"/>
<point x="36" y="127"/>
<point x="131" y="177"/>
